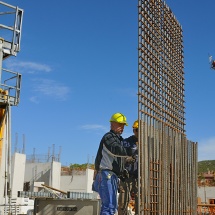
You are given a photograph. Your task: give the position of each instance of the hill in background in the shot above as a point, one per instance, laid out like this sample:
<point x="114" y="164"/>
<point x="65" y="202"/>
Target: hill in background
<point x="204" y="166"/>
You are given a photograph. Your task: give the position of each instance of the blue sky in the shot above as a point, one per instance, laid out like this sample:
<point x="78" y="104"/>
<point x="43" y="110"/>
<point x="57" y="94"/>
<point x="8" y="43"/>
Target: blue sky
<point x="78" y="62"/>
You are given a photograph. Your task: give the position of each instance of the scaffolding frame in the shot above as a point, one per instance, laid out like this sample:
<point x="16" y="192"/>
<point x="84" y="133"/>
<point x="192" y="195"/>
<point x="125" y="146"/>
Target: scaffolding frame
<point x="10" y="87"/>
<point x="167" y="160"/>
<point x="10" y="39"/>
<point x="12" y="29"/>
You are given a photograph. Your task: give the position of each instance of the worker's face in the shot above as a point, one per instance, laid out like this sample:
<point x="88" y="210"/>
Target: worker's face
<point x="135" y="130"/>
<point x="117" y="127"/>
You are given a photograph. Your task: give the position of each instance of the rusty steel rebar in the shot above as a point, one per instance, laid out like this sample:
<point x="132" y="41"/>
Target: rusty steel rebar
<point x="168" y="161"/>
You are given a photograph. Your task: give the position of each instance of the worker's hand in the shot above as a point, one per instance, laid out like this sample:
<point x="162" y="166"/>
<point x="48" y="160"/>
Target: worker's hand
<point x="124" y="175"/>
<point x="130" y="160"/>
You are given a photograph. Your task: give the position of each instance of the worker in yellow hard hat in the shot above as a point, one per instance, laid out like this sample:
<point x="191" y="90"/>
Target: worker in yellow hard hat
<point x="118" y="121"/>
<point x="108" y="164"/>
<point x="129" y="182"/>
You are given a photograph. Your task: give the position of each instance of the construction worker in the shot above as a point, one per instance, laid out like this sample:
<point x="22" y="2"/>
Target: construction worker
<point x="129" y="182"/>
<point x="108" y="165"/>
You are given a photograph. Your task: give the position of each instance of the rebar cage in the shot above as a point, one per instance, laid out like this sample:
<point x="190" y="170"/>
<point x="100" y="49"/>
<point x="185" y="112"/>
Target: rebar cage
<point x="167" y="160"/>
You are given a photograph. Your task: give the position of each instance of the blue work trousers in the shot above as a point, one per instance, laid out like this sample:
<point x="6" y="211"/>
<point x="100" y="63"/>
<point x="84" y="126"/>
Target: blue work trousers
<point x="106" y="183"/>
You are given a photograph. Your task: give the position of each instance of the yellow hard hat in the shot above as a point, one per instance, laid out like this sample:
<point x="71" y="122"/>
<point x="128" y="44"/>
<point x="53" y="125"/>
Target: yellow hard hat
<point x="136" y="124"/>
<point x="119" y="117"/>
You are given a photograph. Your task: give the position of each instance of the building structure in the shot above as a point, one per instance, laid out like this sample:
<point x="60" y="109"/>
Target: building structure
<point x="17" y="173"/>
<point x="205" y="194"/>
<point x="54" y="175"/>
<point x="10" y="86"/>
<point x="210" y="175"/>
<point x="77" y="181"/>
<point x="29" y="178"/>
<point x="46" y="173"/>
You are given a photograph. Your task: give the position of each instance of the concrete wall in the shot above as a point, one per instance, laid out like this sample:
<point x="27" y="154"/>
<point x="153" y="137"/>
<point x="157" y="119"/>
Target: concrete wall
<point x="77" y="182"/>
<point x="17" y="173"/>
<point x="89" y="175"/>
<point x="55" y="175"/>
<point x="206" y="193"/>
<point x="37" y="172"/>
<point x="45" y="173"/>
<point x="49" y="173"/>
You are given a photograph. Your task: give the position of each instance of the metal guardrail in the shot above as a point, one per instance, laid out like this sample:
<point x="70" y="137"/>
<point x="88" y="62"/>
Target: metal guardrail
<point x="10" y="29"/>
<point x="10" y="37"/>
<point x="10" y="85"/>
<point x="32" y="195"/>
<point x="79" y="195"/>
<point x="14" y="209"/>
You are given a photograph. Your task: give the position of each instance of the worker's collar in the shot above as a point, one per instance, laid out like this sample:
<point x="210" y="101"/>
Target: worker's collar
<point x="115" y="132"/>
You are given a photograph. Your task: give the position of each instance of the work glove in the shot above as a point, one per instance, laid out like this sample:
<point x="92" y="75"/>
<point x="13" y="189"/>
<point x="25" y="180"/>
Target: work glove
<point x="124" y="175"/>
<point x="130" y="159"/>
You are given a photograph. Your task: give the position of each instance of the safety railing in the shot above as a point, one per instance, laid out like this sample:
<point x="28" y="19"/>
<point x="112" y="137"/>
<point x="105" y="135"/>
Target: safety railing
<point x="10" y="28"/>
<point x="16" y="209"/>
<point x="10" y="86"/>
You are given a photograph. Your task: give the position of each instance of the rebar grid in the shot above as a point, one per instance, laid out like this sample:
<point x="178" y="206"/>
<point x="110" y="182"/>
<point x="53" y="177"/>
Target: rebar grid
<point x="168" y="161"/>
<point x="161" y="80"/>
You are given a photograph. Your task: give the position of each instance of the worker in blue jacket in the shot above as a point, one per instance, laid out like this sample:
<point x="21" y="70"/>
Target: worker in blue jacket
<point x="129" y="182"/>
<point x="109" y="166"/>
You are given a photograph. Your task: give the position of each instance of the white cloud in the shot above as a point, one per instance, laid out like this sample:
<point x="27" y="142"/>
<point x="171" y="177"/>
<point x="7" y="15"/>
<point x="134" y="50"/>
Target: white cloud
<point x="94" y="127"/>
<point x="206" y="149"/>
<point x="51" y="88"/>
<point x="34" y="99"/>
<point x="27" y="67"/>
